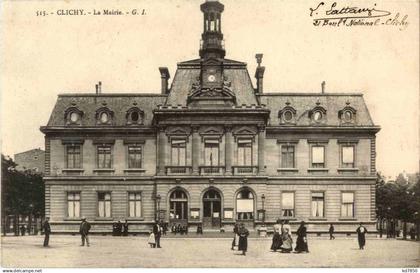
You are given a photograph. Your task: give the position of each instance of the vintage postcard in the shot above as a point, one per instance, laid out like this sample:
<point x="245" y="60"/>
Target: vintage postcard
<point x="210" y="134"/>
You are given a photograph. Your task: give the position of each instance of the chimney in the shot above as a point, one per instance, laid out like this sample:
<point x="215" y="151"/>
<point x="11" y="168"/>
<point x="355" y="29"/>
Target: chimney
<point x="96" y="89"/>
<point x="164" y="75"/>
<point x="100" y="87"/>
<point x="259" y="73"/>
<point x="323" y="87"/>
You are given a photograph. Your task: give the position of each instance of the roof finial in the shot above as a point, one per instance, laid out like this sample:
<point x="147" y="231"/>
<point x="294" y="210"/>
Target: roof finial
<point x="323" y="87"/>
<point x="259" y="57"/>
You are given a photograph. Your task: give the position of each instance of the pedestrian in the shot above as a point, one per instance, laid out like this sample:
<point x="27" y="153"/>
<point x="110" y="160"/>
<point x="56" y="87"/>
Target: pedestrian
<point x="125" y="228"/>
<point x="243" y="239"/>
<point x="235" y="236"/>
<point x="173" y="229"/>
<point x="114" y="229"/>
<point x="157" y="233"/>
<point x="331" y="231"/>
<point x="277" y="240"/>
<point x="412" y="233"/>
<point x="22" y="230"/>
<point x="286" y="226"/>
<point x="199" y="229"/>
<point x="302" y="240"/>
<point x="47" y="230"/>
<point x="84" y="231"/>
<point x="361" y="231"/>
<point x="152" y="240"/>
<point x="179" y="229"/>
<point x="119" y="228"/>
<point x="287" y="241"/>
<point x="164" y="228"/>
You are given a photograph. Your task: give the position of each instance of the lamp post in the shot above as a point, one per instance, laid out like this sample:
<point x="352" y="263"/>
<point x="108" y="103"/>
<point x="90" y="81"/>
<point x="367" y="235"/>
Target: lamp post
<point x="263" y="210"/>
<point x="158" y="207"/>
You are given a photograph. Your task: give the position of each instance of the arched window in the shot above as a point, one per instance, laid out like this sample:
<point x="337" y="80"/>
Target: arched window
<point x="134" y="116"/>
<point x="212" y="208"/>
<point x="245" y="205"/>
<point x="73" y="116"/>
<point x="178" y="202"/>
<point x="104" y="116"/>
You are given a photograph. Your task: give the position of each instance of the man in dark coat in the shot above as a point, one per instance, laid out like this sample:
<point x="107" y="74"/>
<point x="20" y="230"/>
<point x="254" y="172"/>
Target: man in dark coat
<point x="84" y="231"/>
<point x="332" y="237"/>
<point x="361" y="231"/>
<point x="302" y="241"/>
<point x="47" y="230"/>
<point x="243" y="239"/>
<point x="119" y="228"/>
<point x="114" y="229"/>
<point x="125" y="228"/>
<point x="157" y="230"/>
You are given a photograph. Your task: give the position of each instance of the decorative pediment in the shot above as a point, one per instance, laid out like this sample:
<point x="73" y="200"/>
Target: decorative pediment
<point x="182" y="131"/>
<point x="198" y="92"/>
<point x="212" y="131"/>
<point x="245" y="130"/>
<point x="211" y="62"/>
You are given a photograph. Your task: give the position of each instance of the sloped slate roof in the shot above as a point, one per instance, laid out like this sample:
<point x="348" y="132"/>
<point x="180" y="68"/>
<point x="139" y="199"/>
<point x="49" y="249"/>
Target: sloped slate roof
<point x="188" y="72"/>
<point x="304" y="102"/>
<point x="118" y="103"/>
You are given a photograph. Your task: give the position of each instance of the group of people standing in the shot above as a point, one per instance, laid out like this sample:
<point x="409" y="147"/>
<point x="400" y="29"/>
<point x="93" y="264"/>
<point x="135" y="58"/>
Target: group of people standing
<point x="120" y="229"/>
<point x="240" y="239"/>
<point x="282" y="238"/>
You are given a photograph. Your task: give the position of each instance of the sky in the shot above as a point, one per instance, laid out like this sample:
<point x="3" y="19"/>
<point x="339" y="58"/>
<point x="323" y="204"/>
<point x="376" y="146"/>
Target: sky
<point x="43" y="56"/>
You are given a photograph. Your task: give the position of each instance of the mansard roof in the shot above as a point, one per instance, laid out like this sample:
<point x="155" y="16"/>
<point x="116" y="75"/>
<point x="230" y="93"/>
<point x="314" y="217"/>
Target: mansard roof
<point x="119" y="103"/>
<point x="303" y="103"/>
<point x="188" y="72"/>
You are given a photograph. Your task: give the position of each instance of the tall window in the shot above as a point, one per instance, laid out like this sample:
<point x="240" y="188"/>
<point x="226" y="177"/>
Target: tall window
<point x="104" y="204"/>
<point x="245" y="205"/>
<point x="73" y="204"/>
<point x="73" y="157"/>
<point x="104" y="157"/>
<point x="178" y="152"/>
<point x="178" y="205"/>
<point x="134" y="204"/>
<point x="244" y="152"/>
<point x="134" y="156"/>
<point x="287" y="156"/>
<point x="347" y="156"/>
<point x="211" y="153"/>
<point x="347" y="205"/>
<point x="288" y="204"/>
<point x="318" y="157"/>
<point x="317" y="204"/>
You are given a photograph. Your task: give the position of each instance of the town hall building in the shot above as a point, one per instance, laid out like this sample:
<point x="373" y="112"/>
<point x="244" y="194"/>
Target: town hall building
<point x="210" y="149"/>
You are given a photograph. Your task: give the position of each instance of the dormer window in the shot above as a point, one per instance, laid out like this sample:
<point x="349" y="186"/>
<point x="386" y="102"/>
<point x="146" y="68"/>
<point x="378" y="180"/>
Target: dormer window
<point x="287" y="115"/>
<point x="104" y="116"/>
<point x="318" y="114"/>
<point x="73" y="116"/>
<point x="347" y="115"/>
<point x="134" y="116"/>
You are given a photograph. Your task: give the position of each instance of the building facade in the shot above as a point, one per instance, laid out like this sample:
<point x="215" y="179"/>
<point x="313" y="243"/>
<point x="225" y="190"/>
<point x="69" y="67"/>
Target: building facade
<point x="32" y="160"/>
<point x="210" y="150"/>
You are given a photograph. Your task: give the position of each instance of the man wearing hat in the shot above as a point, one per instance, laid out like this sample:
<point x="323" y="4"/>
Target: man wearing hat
<point x="361" y="231"/>
<point x="84" y="231"/>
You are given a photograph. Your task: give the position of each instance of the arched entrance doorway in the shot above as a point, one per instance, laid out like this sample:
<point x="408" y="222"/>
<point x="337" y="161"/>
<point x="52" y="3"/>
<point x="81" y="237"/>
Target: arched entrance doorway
<point x="178" y="208"/>
<point x="245" y="207"/>
<point x="212" y="209"/>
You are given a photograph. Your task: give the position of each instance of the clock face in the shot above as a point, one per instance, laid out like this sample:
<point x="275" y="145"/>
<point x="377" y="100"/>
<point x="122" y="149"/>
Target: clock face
<point x="211" y="78"/>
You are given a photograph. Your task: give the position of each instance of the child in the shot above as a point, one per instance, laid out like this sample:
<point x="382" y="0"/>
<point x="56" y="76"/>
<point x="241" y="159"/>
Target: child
<point x="152" y="241"/>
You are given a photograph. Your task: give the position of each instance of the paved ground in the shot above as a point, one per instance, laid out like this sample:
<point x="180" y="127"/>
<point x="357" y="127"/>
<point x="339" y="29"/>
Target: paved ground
<point x="107" y="251"/>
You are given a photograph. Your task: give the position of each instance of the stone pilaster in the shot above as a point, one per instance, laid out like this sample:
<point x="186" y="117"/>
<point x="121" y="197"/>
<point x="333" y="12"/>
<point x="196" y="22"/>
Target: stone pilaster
<point x="261" y="149"/>
<point x="161" y="147"/>
<point x="228" y="149"/>
<point x="195" y="150"/>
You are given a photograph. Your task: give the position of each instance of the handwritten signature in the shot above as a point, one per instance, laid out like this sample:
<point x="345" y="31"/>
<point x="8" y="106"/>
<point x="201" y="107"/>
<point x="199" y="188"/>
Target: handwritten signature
<point x="332" y="15"/>
<point x="348" y="12"/>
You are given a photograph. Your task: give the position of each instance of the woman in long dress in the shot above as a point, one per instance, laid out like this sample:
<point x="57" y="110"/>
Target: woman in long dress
<point x="286" y="246"/>
<point x="302" y="241"/>
<point x="243" y="239"/>
<point x="277" y="240"/>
